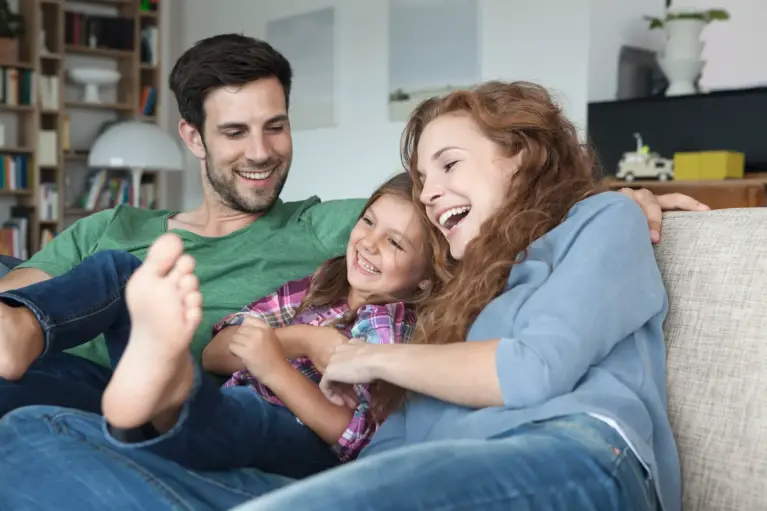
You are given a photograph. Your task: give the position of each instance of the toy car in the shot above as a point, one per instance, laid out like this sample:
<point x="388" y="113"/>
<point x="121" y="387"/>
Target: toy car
<point x="644" y="164"/>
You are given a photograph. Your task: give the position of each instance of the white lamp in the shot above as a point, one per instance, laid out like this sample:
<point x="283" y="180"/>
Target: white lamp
<point x="137" y="146"/>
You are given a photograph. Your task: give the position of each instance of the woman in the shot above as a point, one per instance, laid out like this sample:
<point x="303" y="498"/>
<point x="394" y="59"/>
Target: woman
<point x="558" y="401"/>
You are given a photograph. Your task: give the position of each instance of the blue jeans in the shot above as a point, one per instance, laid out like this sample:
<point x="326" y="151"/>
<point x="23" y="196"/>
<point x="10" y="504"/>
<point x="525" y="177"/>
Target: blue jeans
<point x="58" y="378"/>
<point x="52" y="458"/>
<point x="218" y="428"/>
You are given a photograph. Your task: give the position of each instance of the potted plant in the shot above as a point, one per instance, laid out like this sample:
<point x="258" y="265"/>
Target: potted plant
<point x="11" y="29"/>
<point x="680" y="59"/>
<point x="688" y="13"/>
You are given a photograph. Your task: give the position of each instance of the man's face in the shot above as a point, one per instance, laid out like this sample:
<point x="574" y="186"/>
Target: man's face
<point x="246" y="144"/>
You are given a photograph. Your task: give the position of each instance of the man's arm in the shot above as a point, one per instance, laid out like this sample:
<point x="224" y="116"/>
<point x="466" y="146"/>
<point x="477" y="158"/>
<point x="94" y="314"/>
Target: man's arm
<point x="64" y="252"/>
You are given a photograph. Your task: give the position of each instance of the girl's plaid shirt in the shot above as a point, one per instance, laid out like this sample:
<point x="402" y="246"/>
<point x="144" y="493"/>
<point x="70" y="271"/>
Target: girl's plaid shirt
<point x="378" y="324"/>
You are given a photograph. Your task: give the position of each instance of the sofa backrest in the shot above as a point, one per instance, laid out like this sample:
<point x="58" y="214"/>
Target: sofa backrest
<point x="715" y="268"/>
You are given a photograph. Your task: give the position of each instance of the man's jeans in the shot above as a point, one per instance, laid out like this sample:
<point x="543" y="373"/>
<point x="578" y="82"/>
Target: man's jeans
<point x="52" y="458"/>
<point x="59" y="378"/>
<point x="217" y="429"/>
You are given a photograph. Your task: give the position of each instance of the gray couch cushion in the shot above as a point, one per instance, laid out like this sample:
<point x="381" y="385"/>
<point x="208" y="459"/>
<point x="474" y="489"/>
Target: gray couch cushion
<point x="715" y="268"/>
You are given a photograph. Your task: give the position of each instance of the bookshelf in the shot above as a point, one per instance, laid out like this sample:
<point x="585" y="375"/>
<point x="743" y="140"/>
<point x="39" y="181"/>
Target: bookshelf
<point x="47" y="123"/>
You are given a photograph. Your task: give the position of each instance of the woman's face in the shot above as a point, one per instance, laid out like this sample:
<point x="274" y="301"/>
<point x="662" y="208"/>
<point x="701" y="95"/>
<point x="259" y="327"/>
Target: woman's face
<point x="465" y="178"/>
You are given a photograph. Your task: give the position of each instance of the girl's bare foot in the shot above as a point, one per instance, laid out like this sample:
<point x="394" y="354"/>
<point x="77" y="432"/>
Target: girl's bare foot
<point x="21" y="341"/>
<point x="156" y="372"/>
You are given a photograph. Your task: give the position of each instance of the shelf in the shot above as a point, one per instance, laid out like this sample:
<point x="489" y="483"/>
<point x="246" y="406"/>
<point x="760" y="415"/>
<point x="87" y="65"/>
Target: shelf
<point x="16" y="108"/>
<point x="18" y="65"/>
<point x="99" y="52"/>
<point x="111" y="3"/>
<point x="118" y="107"/>
<point x="16" y="150"/>
<point x="49" y="212"/>
<point x="15" y="193"/>
<point x="76" y="155"/>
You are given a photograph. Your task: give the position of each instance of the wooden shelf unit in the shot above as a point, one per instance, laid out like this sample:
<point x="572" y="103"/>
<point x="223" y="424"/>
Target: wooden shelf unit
<point x="50" y="16"/>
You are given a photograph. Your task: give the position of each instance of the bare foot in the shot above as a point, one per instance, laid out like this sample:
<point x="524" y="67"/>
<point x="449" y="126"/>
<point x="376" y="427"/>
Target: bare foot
<point x="156" y="372"/>
<point x="21" y="341"/>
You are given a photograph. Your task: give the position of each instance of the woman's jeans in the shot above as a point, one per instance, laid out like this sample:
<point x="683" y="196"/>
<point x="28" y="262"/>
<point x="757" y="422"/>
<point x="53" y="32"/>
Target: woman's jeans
<point x="54" y="458"/>
<point x="218" y="428"/>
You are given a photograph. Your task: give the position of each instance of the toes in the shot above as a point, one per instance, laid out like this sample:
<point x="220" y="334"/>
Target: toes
<point x="193" y="300"/>
<point x="184" y="266"/>
<point x="193" y="308"/>
<point x="164" y="254"/>
<point x="188" y="283"/>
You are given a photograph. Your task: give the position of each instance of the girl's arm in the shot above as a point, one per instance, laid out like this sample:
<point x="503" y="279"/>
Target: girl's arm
<point x="276" y="310"/>
<point x="314" y="342"/>
<point x="605" y="287"/>
<point x="304" y="398"/>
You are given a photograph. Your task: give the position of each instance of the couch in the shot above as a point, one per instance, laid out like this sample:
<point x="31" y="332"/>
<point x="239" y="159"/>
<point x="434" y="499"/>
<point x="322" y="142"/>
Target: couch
<point x="715" y="268"/>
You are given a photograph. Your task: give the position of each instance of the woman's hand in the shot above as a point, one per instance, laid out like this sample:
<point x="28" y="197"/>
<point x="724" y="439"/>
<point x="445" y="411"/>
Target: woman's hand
<point x="349" y="364"/>
<point x="256" y="344"/>
<point x="654" y="206"/>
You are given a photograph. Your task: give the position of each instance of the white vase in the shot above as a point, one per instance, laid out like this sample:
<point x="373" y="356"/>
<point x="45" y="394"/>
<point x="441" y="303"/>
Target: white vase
<point x="680" y="59"/>
<point x="681" y="74"/>
<point x="683" y="39"/>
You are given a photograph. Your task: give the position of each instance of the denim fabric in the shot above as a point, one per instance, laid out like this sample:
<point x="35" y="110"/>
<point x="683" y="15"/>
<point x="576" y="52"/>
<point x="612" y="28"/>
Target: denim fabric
<point x="218" y="428"/>
<point x="570" y="463"/>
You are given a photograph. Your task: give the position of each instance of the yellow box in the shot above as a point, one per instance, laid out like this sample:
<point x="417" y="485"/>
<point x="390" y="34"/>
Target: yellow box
<point x="709" y="165"/>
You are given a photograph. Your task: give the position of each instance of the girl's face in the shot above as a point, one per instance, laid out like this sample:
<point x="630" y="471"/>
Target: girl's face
<point x="385" y="254"/>
<point x="465" y="178"/>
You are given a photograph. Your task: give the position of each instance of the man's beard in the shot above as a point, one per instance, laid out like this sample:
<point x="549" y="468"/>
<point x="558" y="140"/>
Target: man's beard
<point x="259" y="200"/>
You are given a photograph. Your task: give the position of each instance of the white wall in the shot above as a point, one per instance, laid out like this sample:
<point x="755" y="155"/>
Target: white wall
<point x="539" y="40"/>
<point x="616" y="23"/>
<point x="734" y="49"/>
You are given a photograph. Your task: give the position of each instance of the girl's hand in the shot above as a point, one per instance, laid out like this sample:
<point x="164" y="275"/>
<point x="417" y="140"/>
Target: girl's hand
<point x="350" y="363"/>
<point x="256" y="344"/>
<point x="322" y="342"/>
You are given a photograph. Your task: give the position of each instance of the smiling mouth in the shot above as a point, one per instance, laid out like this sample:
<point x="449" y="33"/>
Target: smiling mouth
<point x="365" y="265"/>
<point x="451" y="218"/>
<point x="255" y="176"/>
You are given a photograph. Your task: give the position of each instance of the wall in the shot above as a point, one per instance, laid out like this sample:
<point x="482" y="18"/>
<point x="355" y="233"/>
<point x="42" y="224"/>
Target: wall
<point x="615" y="24"/>
<point x="733" y="49"/>
<point x="539" y="40"/>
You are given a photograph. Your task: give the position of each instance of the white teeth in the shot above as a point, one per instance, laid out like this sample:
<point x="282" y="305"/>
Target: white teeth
<point x="444" y="217"/>
<point x="255" y="175"/>
<point x="367" y="266"/>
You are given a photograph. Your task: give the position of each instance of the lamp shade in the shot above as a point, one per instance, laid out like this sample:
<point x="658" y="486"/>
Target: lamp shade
<point x="137" y="145"/>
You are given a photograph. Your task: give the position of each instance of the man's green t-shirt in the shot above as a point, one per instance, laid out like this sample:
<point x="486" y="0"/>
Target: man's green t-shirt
<point x="289" y="242"/>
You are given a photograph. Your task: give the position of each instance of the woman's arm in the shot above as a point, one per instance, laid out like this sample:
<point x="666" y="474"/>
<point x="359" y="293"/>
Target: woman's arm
<point x="605" y="287"/>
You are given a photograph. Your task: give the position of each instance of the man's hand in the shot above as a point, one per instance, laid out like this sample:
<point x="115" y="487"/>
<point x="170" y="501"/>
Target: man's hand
<point x="256" y="344"/>
<point x="654" y="206"/>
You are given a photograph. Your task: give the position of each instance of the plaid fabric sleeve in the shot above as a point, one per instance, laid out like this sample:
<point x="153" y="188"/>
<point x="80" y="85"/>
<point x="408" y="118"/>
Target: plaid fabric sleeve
<point x="377" y="324"/>
<point x="276" y="310"/>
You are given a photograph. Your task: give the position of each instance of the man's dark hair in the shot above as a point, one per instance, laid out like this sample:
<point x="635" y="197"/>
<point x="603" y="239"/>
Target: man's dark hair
<point x="223" y="60"/>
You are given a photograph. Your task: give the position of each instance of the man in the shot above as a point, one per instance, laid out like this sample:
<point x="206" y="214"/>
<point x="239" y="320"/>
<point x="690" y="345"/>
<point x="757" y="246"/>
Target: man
<point x="233" y="95"/>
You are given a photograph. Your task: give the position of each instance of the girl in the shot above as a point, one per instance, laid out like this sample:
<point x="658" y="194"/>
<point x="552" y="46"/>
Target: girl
<point x="271" y="414"/>
<point x="536" y="376"/>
